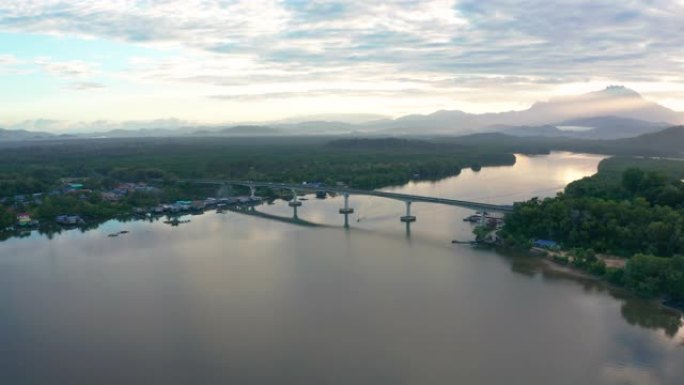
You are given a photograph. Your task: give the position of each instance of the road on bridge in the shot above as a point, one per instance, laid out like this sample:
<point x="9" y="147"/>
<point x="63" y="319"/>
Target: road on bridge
<point x="351" y="191"/>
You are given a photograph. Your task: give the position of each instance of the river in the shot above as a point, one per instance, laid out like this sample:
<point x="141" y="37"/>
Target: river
<point x="244" y="299"/>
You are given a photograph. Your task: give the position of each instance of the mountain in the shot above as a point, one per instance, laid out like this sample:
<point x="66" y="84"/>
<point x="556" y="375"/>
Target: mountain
<point x="139" y="133"/>
<point x="611" y="113"/>
<point x="12" y="135"/>
<point x="611" y="127"/>
<point x="546" y="130"/>
<point x="601" y="127"/>
<point x="249" y="130"/>
<point x="669" y="141"/>
<point x="318" y="127"/>
<point x="612" y="103"/>
<point x="347" y="118"/>
<point x="440" y="122"/>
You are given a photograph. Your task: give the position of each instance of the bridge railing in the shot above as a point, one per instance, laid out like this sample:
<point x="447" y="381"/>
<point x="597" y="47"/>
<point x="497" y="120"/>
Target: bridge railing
<point x="340" y="190"/>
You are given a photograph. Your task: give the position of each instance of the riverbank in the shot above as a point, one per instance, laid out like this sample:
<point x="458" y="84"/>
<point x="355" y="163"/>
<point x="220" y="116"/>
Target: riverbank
<point x="551" y="261"/>
<point x="634" y="214"/>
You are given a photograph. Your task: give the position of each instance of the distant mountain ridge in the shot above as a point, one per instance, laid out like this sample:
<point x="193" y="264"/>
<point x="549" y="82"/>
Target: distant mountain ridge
<point x="601" y="127"/>
<point x="614" y="101"/>
<point x="11" y="135"/>
<point x="668" y="141"/>
<point x="249" y="130"/>
<point x="612" y="113"/>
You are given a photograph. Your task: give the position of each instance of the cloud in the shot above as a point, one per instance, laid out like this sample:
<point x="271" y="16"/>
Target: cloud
<point x="315" y="94"/>
<point x="10" y="64"/>
<point x="85" y="86"/>
<point x="6" y="60"/>
<point x="494" y="37"/>
<point x="461" y="50"/>
<point x="74" y="68"/>
<point x="59" y="125"/>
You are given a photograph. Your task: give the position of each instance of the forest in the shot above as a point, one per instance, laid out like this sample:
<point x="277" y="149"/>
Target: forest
<point x="100" y="164"/>
<point x="634" y="213"/>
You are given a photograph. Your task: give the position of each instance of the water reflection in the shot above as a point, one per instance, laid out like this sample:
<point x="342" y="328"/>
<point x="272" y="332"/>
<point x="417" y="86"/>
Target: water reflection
<point x="253" y="211"/>
<point x="635" y="311"/>
<point x="647" y="315"/>
<point x="644" y="313"/>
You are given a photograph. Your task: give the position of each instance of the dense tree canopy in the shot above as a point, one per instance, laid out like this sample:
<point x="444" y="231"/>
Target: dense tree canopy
<point x="637" y="214"/>
<point x="368" y="163"/>
<point x="102" y="164"/>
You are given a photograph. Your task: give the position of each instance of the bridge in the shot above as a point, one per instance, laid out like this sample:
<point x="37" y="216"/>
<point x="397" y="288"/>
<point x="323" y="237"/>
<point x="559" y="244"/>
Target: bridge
<point x="408" y="199"/>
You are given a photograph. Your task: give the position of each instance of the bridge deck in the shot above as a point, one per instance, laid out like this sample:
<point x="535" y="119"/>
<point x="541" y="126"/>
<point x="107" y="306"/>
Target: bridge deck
<point x="352" y="191"/>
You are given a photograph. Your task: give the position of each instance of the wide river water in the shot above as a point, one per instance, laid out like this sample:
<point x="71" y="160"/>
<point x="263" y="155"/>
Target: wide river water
<point x="252" y="299"/>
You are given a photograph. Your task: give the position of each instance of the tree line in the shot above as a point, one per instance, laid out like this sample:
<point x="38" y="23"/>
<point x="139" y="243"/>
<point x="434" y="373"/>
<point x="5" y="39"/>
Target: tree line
<point x="636" y="214"/>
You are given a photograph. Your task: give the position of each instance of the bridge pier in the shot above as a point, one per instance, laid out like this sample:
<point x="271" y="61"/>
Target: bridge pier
<point x="346" y="210"/>
<point x="406" y="198"/>
<point x="294" y="202"/>
<point x="408" y="217"/>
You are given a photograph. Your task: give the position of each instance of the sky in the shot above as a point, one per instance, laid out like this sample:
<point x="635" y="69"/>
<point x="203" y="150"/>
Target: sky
<point x="77" y="64"/>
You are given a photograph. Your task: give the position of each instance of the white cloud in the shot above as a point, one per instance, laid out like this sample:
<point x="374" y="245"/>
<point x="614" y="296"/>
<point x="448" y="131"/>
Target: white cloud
<point x="457" y="54"/>
<point x="85" y="86"/>
<point x="10" y="64"/>
<point x="6" y="60"/>
<point x="74" y="68"/>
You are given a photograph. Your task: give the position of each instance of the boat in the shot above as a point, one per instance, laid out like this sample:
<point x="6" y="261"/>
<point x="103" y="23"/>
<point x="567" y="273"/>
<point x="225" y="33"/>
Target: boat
<point x="321" y="194"/>
<point x="176" y="221"/>
<point x="473" y="218"/>
<point x="472" y="243"/>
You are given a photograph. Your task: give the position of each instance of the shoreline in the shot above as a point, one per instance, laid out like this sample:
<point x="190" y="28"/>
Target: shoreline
<point x="574" y="272"/>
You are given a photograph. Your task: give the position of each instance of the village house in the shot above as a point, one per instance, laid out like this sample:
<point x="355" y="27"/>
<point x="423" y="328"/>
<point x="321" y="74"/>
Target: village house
<point x="24" y="219"/>
<point x="123" y="189"/>
<point x="111" y="196"/>
<point x="69" y="220"/>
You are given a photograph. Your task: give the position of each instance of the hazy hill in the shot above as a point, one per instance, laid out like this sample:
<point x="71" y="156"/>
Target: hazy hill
<point x="614" y="112"/>
<point x="669" y="141"/>
<point x="12" y="135"/>
<point x="318" y="127"/>
<point x="444" y="122"/>
<point x="249" y="130"/>
<point x="546" y="130"/>
<point x="601" y="127"/>
<point x="612" y="103"/>
<point x="613" y="127"/>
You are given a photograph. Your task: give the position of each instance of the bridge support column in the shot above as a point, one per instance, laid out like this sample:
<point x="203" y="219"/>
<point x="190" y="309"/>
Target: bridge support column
<point x="294" y="202"/>
<point x="252" y="192"/>
<point x="408" y="217"/>
<point x="346" y="210"/>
